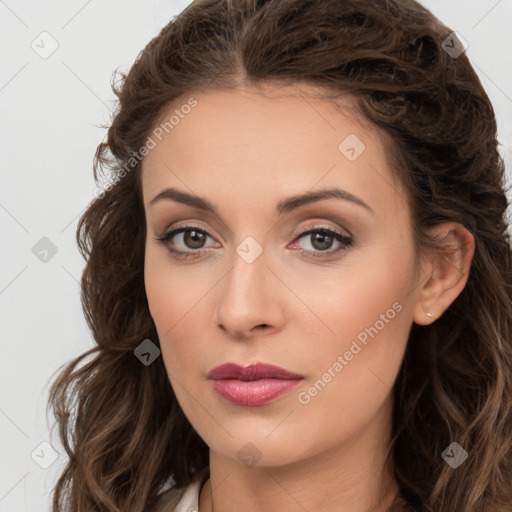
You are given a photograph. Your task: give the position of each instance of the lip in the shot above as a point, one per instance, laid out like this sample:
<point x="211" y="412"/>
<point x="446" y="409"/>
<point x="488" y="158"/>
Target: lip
<point x="254" y="384"/>
<point x="253" y="371"/>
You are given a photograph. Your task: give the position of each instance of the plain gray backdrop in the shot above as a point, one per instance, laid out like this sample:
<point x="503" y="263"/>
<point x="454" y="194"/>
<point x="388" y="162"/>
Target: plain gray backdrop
<point x="57" y="60"/>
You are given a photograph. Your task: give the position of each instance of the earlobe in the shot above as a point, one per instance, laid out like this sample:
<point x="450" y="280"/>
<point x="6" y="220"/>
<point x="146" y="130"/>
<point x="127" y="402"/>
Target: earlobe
<point x="446" y="273"/>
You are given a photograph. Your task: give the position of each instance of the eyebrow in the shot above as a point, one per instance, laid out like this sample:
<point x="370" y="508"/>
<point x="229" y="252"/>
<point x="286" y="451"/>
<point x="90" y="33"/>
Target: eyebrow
<point x="284" y="206"/>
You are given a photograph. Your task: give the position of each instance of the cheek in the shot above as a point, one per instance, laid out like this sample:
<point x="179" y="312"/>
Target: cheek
<point x="350" y="380"/>
<point x="368" y="313"/>
<point x="169" y="292"/>
<point x="175" y="300"/>
<point x="371" y="293"/>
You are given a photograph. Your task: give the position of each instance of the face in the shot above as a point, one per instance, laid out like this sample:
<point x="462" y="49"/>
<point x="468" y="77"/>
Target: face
<point x="322" y="286"/>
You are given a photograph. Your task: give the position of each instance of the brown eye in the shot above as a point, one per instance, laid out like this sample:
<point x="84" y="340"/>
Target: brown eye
<point x="193" y="238"/>
<point x="191" y="243"/>
<point x="321" y="240"/>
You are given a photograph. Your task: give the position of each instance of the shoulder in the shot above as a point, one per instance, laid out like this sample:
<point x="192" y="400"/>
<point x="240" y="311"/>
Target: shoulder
<point x="179" y="499"/>
<point x="168" y="500"/>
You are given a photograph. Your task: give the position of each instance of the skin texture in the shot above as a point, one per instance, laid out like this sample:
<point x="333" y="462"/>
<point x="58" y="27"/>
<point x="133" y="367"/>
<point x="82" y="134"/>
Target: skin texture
<point x="244" y="153"/>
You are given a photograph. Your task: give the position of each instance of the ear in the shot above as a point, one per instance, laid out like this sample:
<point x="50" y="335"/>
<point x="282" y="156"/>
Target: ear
<point x="444" y="271"/>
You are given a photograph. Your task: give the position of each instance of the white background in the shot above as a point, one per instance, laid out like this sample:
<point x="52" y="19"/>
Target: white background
<point x="50" y="113"/>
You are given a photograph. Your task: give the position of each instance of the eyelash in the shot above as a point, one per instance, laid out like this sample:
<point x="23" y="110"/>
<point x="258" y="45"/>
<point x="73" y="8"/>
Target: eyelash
<point x="345" y="241"/>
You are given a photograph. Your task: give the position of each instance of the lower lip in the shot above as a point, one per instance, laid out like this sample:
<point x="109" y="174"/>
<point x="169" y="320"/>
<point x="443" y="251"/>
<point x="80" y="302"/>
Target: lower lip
<point x="254" y="392"/>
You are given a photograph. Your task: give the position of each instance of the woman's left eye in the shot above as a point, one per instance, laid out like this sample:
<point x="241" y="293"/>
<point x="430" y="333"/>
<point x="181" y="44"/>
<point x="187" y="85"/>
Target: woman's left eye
<point x="321" y="240"/>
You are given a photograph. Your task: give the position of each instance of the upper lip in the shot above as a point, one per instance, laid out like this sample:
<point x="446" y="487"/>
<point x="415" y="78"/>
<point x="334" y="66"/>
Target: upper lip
<point x="253" y="371"/>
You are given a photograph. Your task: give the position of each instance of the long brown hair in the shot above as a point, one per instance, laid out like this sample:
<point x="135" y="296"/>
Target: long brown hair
<point x="125" y="434"/>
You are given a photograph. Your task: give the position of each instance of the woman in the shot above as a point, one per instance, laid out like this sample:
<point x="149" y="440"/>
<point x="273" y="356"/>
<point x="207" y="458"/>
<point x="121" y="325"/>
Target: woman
<point x="298" y="275"/>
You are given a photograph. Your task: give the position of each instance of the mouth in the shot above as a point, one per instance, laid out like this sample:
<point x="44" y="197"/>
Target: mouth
<point x="255" y="384"/>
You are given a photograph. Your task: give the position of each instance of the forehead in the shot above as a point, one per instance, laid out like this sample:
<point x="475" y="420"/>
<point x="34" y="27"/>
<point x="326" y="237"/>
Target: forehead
<point x="285" y="138"/>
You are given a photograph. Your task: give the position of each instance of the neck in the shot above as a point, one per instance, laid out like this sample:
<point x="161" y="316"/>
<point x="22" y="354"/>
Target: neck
<point x="351" y="477"/>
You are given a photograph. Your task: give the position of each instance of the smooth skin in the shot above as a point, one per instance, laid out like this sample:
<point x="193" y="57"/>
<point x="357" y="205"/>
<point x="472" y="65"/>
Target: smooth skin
<point x="300" y="304"/>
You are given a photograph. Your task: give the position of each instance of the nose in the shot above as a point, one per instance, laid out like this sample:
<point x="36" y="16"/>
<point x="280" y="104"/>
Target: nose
<point x="249" y="299"/>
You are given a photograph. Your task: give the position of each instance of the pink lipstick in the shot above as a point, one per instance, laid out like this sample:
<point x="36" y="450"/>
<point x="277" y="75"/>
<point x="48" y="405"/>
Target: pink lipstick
<point x="255" y="384"/>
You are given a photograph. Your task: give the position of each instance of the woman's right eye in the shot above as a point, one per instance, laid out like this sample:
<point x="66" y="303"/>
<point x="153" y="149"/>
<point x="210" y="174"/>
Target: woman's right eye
<point x="191" y="237"/>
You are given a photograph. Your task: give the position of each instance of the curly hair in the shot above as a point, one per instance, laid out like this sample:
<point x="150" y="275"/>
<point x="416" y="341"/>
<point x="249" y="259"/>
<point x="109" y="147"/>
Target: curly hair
<point x="119" y="421"/>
